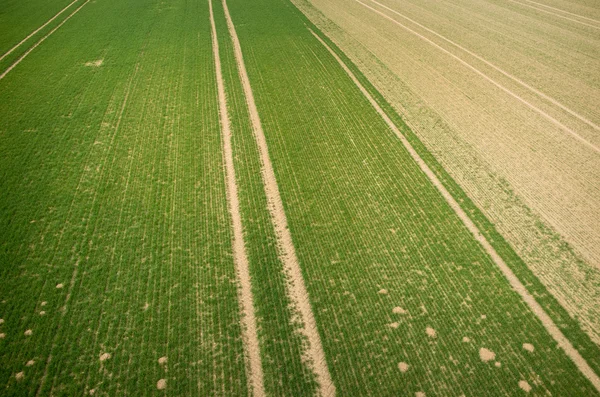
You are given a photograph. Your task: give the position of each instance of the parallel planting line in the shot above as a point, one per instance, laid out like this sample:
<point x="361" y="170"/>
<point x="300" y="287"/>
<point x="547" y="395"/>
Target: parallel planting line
<point x="555" y="14"/>
<point x="37" y="30"/>
<point x="18" y="61"/>
<point x="498" y="85"/>
<point x="498" y="69"/>
<point x="240" y="257"/>
<point x="516" y="284"/>
<point x="287" y="252"/>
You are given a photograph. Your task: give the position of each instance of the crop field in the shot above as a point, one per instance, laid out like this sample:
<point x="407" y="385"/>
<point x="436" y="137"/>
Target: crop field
<point x="299" y="198"/>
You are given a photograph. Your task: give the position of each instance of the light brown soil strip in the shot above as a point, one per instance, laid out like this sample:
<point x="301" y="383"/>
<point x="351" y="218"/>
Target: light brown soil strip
<point x="486" y="77"/>
<point x="516" y="284"/>
<point x="249" y="332"/>
<point x="510" y="76"/>
<point x="37" y="30"/>
<point x="18" y="61"/>
<point x="287" y="252"/>
<point x="566" y="12"/>
<point x="555" y="14"/>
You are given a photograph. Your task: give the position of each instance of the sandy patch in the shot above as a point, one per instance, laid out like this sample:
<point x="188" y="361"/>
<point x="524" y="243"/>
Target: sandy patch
<point x="44" y="303"/>
<point x="1" y="321"/>
<point x="403" y="367"/>
<point x="42" y="313"/>
<point x="20" y="376"/>
<point x="466" y="339"/>
<point x="161" y="384"/>
<point x="431" y="332"/>
<point x="528" y="346"/>
<point x="383" y="291"/>
<point x="104" y="356"/>
<point x="498" y="364"/>
<point x="394" y="325"/>
<point x="146" y="306"/>
<point x="486" y="354"/>
<point x="525" y="386"/>
<point x="420" y="394"/>
<point x="30" y="363"/>
<point x="28" y="332"/>
<point x="2" y="335"/>
<point x="92" y="392"/>
<point x="399" y="310"/>
<point x="162" y="360"/>
<point x="95" y="64"/>
<point x="59" y="286"/>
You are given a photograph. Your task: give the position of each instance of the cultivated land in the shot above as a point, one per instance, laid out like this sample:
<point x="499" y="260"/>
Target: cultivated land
<point x="213" y="198"/>
<point x="507" y="100"/>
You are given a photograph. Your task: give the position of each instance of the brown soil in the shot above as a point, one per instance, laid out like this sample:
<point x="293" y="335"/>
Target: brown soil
<point x="486" y="354"/>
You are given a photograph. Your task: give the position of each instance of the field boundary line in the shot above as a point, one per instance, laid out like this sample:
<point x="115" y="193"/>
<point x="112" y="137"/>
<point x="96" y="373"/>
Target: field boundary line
<point x="566" y="12"/>
<point x="513" y="280"/>
<point x="489" y="79"/>
<point x="254" y="369"/>
<point x="11" y="67"/>
<point x="37" y="30"/>
<point x="498" y="69"/>
<point x="287" y="252"/>
<point x="555" y="14"/>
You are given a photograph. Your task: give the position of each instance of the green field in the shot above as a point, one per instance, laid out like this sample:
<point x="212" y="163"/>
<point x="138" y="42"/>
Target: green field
<point x="116" y="239"/>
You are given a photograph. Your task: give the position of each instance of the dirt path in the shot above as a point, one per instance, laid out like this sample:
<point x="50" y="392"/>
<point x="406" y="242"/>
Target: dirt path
<point x="249" y="331"/>
<point x="37" y="30"/>
<point x="18" y="61"/>
<point x="315" y="354"/>
<point x="535" y="307"/>
<point x="487" y="78"/>
<point x="503" y="72"/>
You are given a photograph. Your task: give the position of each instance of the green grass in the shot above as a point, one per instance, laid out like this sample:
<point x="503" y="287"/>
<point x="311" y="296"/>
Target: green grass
<point x="139" y="211"/>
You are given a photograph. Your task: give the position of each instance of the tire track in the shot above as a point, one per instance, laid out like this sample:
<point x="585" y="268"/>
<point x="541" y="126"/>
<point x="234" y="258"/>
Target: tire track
<point x="566" y="12"/>
<point x="315" y="355"/>
<point x="489" y="79"/>
<point x="240" y="257"/>
<point x="18" y="61"/>
<point x="498" y="69"/>
<point x="555" y="14"/>
<point x="515" y="283"/>
<point x="37" y="30"/>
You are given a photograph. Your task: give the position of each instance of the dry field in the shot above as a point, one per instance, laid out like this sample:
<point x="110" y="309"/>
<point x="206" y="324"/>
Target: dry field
<point x="506" y="95"/>
<point x="299" y="198"/>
